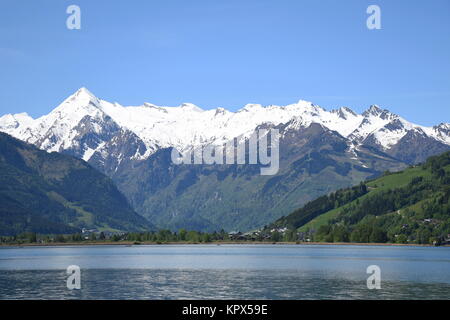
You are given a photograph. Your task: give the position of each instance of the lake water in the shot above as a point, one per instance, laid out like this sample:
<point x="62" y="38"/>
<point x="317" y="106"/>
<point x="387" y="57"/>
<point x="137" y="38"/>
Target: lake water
<point x="225" y="272"/>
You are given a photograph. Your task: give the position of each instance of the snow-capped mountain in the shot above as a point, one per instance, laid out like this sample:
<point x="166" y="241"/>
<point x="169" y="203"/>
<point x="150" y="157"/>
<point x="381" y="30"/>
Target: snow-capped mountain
<point x="320" y="152"/>
<point x="84" y="124"/>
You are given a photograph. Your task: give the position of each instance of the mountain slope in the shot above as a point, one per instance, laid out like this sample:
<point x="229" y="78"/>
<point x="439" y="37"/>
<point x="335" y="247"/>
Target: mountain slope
<point x="313" y="161"/>
<point x="53" y="193"/>
<point x="408" y="206"/>
<point x="320" y="151"/>
<point x="82" y="125"/>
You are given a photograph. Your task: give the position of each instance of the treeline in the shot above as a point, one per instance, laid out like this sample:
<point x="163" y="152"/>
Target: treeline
<point x="180" y="236"/>
<point x="416" y="213"/>
<point x="161" y="236"/>
<point x="319" y="206"/>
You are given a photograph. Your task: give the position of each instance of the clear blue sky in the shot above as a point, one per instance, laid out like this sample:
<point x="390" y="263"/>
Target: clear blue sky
<point x="228" y="53"/>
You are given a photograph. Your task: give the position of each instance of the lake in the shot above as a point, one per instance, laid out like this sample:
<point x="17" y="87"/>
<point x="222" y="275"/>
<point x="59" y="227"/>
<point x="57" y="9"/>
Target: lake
<point x="225" y="272"/>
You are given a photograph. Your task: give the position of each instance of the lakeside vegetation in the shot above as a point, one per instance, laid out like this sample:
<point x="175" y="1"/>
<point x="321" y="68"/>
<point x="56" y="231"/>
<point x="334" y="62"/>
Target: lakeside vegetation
<point x="158" y="237"/>
<point x="407" y="207"/>
<point x="73" y="240"/>
<point x="410" y="206"/>
<point x="161" y="236"/>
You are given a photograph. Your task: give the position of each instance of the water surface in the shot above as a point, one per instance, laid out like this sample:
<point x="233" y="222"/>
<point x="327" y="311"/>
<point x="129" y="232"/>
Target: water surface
<point x="225" y="272"/>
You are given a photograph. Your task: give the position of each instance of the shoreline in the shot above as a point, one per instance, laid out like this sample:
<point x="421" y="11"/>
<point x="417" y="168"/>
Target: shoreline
<point x="218" y="243"/>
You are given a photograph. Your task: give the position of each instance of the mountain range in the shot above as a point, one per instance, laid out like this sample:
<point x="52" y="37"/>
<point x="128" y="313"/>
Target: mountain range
<point x="320" y="151"/>
<point x="409" y="206"/>
<point x="49" y="193"/>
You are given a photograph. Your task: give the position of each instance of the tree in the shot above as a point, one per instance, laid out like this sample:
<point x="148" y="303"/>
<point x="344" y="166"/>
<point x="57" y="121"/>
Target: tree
<point x="401" y="238"/>
<point x="355" y="236"/>
<point x="60" y="238"/>
<point x="77" y="237"/>
<point x="33" y="237"/>
<point x="206" y="237"/>
<point x="182" y="235"/>
<point x="340" y="234"/>
<point x="276" y="236"/>
<point x="290" y="235"/>
<point x="193" y="236"/>
<point x="378" y="236"/>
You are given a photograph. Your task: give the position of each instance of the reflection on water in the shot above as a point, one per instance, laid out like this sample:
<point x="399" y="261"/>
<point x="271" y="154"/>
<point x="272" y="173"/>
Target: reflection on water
<point x="205" y="284"/>
<point x="225" y="272"/>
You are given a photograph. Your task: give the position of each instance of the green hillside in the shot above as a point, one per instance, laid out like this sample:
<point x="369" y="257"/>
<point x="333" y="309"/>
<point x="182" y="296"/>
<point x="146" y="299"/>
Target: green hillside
<point x="52" y="193"/>
<point x="313" y="161"/>
<point x="410" y="206"/>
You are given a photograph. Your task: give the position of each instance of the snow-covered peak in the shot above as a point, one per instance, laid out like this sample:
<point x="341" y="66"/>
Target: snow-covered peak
<point x="12" y="122"/>
<point x="23" y="116"/>
<point x="443" y="126"/>
<point x="84" y="91"/>
<point x="376" y="111"/>
<point x="190" y="107"/>
<point x="18" y="117"/>
<point x="382" y="127"/>
<point x="188" y="125"/>
<point x="344" y="113"/>
<point x="251" y="107"/>
<point x="220" y="111"/>
<point x="373" y="110"/>
<point x="440" y="132"/>
<point x="83" y="95"/>
<point x="80" y="103"/>
<point x="56" y="130"/>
